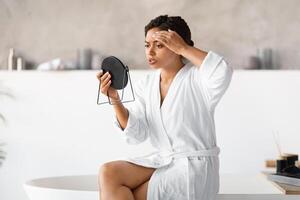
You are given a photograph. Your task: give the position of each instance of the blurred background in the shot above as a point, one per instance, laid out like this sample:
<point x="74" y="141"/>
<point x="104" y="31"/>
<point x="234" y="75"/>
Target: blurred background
<point x="77" y="34"/>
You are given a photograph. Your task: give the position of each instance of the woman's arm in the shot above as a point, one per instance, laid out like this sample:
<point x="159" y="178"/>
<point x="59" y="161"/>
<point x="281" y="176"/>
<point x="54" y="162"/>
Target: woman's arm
<point x="196" y="56"/>
<point x="121" y="113"/>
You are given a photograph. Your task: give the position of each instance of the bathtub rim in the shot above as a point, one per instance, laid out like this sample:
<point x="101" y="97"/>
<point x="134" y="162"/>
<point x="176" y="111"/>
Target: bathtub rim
<point x="36" y="183"/>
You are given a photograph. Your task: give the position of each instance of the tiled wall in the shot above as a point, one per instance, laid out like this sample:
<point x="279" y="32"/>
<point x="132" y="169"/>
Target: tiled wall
<point x="44" y="30"/>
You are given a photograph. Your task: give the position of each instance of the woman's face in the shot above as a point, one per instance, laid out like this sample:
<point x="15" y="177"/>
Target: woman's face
<point x="158" y="55"/>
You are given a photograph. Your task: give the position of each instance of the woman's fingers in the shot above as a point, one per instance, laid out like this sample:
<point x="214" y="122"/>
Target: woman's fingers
<point x="168" y="34"/>
<point x="105" y="87"/>
<point x="104" y="76"/>
<point x="163" y="33"/>
<point x="104" y="82"/>
<point x="171" y="40"/>
<point x="99" y="74"/>
<point x="164" y="39"/>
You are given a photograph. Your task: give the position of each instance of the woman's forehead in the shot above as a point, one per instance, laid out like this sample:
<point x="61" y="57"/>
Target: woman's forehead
<point x="149" y="34"/>
<point x="151" y="41"/>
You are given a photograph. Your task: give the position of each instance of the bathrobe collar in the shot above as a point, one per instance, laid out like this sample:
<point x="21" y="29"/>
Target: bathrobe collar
<point x="167" y="103"/>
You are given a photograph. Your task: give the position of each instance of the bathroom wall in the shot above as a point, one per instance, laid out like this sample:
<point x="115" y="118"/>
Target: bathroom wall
<point x="44" y="30"/>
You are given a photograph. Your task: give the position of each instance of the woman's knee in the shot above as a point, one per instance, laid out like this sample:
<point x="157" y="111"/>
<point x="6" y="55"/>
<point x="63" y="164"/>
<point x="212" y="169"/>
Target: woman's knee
<point x="123" y="173"/>
<point x="108" y="173"/>
<point x="140" y="193"/>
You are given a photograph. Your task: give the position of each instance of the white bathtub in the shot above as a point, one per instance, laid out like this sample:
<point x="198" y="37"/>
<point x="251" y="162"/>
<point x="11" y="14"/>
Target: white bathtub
<point x="85" y="187"/>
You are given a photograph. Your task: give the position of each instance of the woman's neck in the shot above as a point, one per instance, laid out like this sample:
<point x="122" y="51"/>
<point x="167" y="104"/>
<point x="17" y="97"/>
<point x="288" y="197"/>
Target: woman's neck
<point x="168" y="73"/>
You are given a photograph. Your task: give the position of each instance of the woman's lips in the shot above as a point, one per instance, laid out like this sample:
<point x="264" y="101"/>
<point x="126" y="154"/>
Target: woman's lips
<point x="151" y="61"/>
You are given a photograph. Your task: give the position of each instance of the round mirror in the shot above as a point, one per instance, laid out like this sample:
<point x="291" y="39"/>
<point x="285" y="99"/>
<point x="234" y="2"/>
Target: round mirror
<point x="117" y="70"/>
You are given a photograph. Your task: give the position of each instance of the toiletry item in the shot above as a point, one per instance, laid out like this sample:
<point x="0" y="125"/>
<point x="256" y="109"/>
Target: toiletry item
<point x="254" y="62"/>
<point x="290" y="158"/>
<point x="286" y="166"/>
<point x="11" y="60"/>
<point x="281" y="165"/>
<point x="84" y="58"/>
<point x="287" y="172"/>
<point x="265" y="58"/>
<point x="20" y="64"/>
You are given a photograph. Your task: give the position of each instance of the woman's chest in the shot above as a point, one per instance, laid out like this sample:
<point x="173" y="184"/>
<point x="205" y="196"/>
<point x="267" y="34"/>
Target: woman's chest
<point x="169" y="101"/>
<point x="163" y="90"/>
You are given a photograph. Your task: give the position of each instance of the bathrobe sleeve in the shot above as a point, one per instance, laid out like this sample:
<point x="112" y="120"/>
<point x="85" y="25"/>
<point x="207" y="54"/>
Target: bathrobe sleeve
<point x="214" y="76"/>
<point x="137" y="129"/>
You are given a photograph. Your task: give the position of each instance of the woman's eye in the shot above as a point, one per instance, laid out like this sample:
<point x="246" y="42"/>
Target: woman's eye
<point x="159" y="46"/>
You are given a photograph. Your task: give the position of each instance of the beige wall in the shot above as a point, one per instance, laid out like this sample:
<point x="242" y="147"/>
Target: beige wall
<point x="43" y="30"/>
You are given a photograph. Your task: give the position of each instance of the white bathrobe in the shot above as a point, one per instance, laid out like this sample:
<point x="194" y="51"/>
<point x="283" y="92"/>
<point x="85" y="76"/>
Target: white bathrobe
<point x="182" y="130"/>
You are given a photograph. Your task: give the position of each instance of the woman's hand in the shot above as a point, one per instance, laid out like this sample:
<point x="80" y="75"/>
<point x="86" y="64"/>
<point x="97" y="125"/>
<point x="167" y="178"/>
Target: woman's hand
<point x="171" y="40"/>
<point x="105" y="86"/>
<point x="175" y="43"/>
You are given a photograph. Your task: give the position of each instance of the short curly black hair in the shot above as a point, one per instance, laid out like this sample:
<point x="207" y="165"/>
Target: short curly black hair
<point x="175" y="23"/>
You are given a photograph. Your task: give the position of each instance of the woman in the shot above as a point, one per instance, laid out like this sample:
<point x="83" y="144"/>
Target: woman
<point x="174" y="108"/>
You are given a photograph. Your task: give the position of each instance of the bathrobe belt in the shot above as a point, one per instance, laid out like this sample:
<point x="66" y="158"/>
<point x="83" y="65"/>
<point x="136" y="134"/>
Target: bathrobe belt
<point x="184" y="154"/>
<point x="163" y="158"/>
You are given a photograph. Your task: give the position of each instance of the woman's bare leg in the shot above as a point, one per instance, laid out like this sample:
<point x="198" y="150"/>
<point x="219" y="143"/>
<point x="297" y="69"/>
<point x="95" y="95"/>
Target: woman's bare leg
<point x="117" y="179"/>
<point x="140" y="193"/>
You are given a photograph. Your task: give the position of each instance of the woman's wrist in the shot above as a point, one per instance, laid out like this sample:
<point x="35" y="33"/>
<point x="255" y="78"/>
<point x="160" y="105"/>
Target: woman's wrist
<point x="194" y="55"/>
<point x="185" y="50"/>
<point x="115" y="100"/>
<point x="115" y="97"/>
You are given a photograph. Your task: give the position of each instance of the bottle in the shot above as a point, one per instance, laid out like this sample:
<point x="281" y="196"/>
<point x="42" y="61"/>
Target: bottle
<point x="20" y="64"/>
<point x="11" y="59"/>
<point x="84" y="58"/>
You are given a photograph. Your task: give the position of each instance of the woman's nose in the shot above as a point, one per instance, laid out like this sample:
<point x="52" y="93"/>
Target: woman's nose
<point x="151" y="51"/>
